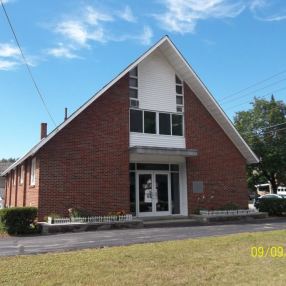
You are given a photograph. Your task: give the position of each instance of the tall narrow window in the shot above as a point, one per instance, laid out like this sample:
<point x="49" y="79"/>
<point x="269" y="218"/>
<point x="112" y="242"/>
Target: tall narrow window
<point x="33" y="172"/>
<point x="15" y="177"/>
<point x="150" y="122"/>
<point x="22" y="171"/>
<point x="179" y="95"/>
<point x="164" y="124"/>
<point x="177" y="124"/>
<point x="133" y="87"/>
<point x="136" y="120"/>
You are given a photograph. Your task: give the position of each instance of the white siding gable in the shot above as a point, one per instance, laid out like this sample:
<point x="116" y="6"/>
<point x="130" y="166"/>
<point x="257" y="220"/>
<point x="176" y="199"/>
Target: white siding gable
<point x="156" y="85"/>
<point x="156" y="92"/>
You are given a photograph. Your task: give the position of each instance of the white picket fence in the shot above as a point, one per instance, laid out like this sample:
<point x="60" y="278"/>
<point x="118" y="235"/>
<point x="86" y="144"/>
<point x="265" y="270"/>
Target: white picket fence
<point x="92" y="219"/>
<point x="228" y="212"/>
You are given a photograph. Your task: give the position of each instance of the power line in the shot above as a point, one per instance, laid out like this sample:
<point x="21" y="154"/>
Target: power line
<point x="255" y="84"/>
<point x="281" y="129"/>
<point x="252" y="92"/>
<point x="27" y="65"/>
<point x="262" y="97"/>
<point x="263" y="128"/>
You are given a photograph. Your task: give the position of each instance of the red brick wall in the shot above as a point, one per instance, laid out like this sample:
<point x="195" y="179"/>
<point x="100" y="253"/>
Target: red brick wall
<point x="32" y="192"/>
<point x="86" y="165"/>
<point x="22" y="194"/>
<point x="219" y="164"/>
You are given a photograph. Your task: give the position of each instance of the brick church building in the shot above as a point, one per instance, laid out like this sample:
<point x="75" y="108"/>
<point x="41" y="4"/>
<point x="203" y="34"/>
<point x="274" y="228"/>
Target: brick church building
<point x="152" y="142"/>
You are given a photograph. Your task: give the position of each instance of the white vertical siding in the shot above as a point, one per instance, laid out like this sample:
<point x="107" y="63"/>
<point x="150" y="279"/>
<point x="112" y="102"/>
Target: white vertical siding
<point x="155" y="140"/>
<point x="156" y="91"/>
<point x="156" y="85"/>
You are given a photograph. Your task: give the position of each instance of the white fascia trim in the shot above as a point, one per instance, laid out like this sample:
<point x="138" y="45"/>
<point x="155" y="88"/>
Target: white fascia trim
<point x="217" y="108"/>
<point x="214" y="102"/>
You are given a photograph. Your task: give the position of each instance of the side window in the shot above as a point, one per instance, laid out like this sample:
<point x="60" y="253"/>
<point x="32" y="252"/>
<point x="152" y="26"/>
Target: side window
<point x="22" y="171"/>
<point x="33" y="172"/>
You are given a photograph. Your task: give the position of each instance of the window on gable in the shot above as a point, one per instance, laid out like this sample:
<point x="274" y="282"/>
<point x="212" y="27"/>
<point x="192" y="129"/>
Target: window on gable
<point x="134" y="72"/>
<point x="136" y="120"/>
<point x="133" y="83"/>
<point x="133" y="87"/>
<point x="179" y="100"/>
<point x="33" y="172"/>
<point x="179" y="94"/>
<point x="179" y="89"/>
<point x="133" y="93"/>
<point x="150" y="122"/>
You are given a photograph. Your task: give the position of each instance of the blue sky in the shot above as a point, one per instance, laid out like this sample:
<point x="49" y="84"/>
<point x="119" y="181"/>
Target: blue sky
<point x="74" y="47"/>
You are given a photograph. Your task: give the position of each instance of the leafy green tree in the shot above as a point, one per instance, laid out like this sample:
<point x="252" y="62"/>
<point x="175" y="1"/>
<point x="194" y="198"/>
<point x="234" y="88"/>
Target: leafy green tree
<point x="264" y="129"/>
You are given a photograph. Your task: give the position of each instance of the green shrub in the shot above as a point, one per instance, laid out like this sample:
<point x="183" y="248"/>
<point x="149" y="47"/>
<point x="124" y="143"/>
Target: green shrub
<point x="273" y="206"/>
<point x="19" y="220"/>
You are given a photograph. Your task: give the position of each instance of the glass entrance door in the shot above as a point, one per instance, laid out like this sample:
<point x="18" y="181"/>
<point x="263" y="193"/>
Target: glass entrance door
<point x="153" y="193"/>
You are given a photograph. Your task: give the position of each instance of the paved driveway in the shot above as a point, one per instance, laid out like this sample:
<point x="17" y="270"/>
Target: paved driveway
<point x="74" y="241"/>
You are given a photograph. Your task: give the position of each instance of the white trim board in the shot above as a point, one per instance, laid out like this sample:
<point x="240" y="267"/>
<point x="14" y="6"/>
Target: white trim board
<point x="187" y="74"/>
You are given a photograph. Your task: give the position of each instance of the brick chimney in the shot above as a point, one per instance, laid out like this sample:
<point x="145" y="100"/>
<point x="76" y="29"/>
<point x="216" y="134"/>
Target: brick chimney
<point x="43" y="130"/>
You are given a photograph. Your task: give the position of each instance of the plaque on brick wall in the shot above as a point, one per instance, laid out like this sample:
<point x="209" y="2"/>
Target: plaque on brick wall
<point x="198" y="187"/>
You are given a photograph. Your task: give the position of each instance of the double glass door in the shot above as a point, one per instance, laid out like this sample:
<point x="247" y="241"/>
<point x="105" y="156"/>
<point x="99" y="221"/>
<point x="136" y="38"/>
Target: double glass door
<point x="153" y="193"/>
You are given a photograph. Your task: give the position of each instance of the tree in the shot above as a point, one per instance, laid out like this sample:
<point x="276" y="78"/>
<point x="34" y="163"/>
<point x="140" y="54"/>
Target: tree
<point x="10" y="160"/>
<point x="264" y="129"/>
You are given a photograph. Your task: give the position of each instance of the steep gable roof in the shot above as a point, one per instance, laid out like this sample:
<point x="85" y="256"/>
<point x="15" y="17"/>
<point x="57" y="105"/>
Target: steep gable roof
<point x="185" y="71"/>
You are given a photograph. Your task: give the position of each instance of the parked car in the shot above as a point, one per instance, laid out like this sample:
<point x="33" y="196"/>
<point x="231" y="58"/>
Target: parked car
<point x="266" y="197"/>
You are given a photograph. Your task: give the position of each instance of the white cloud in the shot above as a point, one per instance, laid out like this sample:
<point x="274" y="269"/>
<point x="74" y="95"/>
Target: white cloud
<point x="73" y="30"/>
<point x="85" y="28"/>
<point x="182" y="16"/>
<point x="10" y="56"/>
<point x="257" y="4"/>
<point x="7" y="65"/>
<point x="146" y="37"/>
<point x="269" y="11"/>
<point x="127" y="15"/>
<point x="9" y="50"/>
<point x="95" y="17"/>
<point x="91" y="25"/>
<point x="62" y="51"/>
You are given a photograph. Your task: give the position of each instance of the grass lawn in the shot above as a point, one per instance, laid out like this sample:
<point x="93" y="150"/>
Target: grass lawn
<point x="205" y="261"/>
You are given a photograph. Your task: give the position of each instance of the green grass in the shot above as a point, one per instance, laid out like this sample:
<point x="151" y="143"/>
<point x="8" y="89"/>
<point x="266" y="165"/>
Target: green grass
<point x="206" y="261"/>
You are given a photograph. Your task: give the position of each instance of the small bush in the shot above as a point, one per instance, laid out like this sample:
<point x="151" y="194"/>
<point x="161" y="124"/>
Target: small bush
<point x="78" y="212"/>
<point x="117" y="213"/>
<point x="19" y="220"/>
<point x="273" y="206"/>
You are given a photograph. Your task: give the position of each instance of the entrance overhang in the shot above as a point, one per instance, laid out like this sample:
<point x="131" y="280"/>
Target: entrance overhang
<point x="160" y="154"/>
